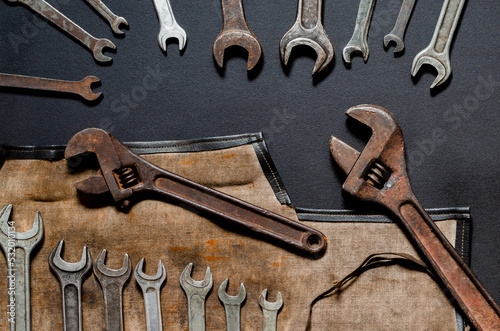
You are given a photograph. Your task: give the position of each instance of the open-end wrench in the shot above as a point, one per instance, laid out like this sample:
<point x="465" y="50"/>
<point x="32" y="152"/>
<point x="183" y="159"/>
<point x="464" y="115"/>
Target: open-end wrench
<point x="125" y="174"/>
<point x="114" y="20"/>
<point x="235" y="32"/>
<point x="17" y="248"/>
<point x="71" y="277"/>
<point x="151" y="287"/>
<point x="398" y="32"/>
<point x="196" y="293"/>
<point x="308" y="30"/>
<point x="232" y="305"/>
<point x="112" y="282"/>
<point x="82" y="88"/>
<point x="359" y="39"/>
<point x="378" y="174"/>
<point x="95" y="45"/>
<point x="270" y="310"/>
<point x="437" y="53"/>
<point x="169" y="28"/>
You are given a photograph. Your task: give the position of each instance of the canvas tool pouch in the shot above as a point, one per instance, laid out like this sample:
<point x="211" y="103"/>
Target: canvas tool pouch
<point x="386" y="298"/>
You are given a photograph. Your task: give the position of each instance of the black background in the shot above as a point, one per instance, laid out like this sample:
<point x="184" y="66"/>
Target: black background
<point x="451" y="134"/>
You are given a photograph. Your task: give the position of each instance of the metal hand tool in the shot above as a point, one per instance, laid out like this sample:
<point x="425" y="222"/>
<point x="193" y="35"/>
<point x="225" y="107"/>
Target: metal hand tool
<point x="270" y="310"/>
<point x="398" y="32"/>
<point x="82" y="88"/>
<point x="114" y="20"/>
<point x="71" y="276"/>
<point x="112" y="282"/>
<point x="196" y="293"/>
<point x="17" y="248"/>
<point x="308" y="30"/>
<point x="232" y="305"/>
<point x="378" y="174"/>
<point x="169" y="28"/>
<point x="151" y="287"/>
<point x="235" y="32"/>
<point x="95" y="45"/>
<point x="359" y="39"/>
<point x="125" y="174"/>
<point x="437" y="54"/>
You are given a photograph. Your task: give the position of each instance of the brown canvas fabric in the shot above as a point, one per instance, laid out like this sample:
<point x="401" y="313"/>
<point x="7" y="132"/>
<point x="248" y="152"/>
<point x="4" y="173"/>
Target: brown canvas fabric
<point x="388" y="298"/>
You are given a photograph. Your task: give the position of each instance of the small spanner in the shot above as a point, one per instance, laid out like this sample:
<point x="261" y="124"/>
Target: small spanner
<point x="437" y="53"/>
<point x="270" y="310"/>
<point x="95" y="45"/>
<point x="169" y="28"/>
<point x="114" y="20"/>
<point x="232" y="305"/>
<point x="82" y="88"/>
<point x="196" y="293"/>
<point x="308" y="30"/>
<point x="112" y="282"/>
<point x="398" y="32"/>
<point x="71" y="277"/>
<point x="124" y="174"/>
<point x="17" y="248"/>
<point x="235" y="32"/>
<point x="151" y="287"/>
<point x="378" y="174"/>
<point x="359" y="39"/>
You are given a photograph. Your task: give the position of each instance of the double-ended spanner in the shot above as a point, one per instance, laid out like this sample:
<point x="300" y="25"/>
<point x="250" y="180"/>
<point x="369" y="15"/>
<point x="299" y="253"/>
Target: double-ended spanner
<point x="378" y="174"/>
<point x="17" y="248"/>
<point x="397" y="33"/>
<point x="125" y="175"/>
<point x="169" y="28"/>
<point x="81" y="88"/>
<point x="235" y="32"/>
<point x="270" y="310"/>
<point x="114" y="20"/>
<point x="71" y="276"/>
<point x="308" y="30"/>
<point x="232" y="305"/>
<point x="359" y="39"/>
<point x="196" y="292"/>
<point x="437" y="53"/>
<point x="95" y="45"/>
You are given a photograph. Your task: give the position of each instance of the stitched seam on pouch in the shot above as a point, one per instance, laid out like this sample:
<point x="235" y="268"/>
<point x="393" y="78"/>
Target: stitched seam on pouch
<point x="272" y="172"/>
<point x="372" y="215"/>
<point x="194" y="143"/>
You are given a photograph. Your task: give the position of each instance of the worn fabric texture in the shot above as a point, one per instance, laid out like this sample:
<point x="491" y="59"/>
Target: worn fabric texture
<point x="387" y="298"/>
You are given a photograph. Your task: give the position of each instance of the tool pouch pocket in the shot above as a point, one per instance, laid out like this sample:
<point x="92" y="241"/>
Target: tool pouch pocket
<point x="386" y="298"/>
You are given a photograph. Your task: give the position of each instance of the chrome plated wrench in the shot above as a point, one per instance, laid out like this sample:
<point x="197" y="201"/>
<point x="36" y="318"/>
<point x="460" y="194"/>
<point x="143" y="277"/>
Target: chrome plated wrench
<point x="270" y="310"/>
<point x="114" y="20"/>
<point x="232" y="305"/>
<point x="359" y="39"/>
<point x="17" y="248"/>
<point x="169" y="28"/>
<point x="398" y="32"/>
<point x="196" y="293"/>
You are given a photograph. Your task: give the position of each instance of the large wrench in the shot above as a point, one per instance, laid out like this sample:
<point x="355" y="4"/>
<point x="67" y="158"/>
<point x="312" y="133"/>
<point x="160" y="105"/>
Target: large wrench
<point x="112" y="282"/>
<point x="437" y="53"/>
<point x="151" y="287"/>
<point x="169" y="28"/>
<point x="71" y="277"/>
<point x="82" y="88"/>
<point x="235" y="31"/>
<point x="270" y="310"/>
<point x="17" y="248"/>
<point x="308" y="30"/>
<point x="232" y="305"/>
<point x="196" y="293"/>
<point x="125" y="174"/>
<point x="114" y="20"/>
<point x="95" y="45"/>
<point x="359" y="39"/>
<point x="378" y="174"/>
<point x="398" y="32"/>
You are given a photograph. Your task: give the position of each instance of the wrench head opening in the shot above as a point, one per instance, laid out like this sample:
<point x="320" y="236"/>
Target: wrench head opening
<point x="175" y="32"/>
<point x="351" y="48"/>
<point x="115" y="25"/>
<point x="26" y="239"/>
<point x="144" y="279"/>
<point x="270" y="305"/>
<point x="442" y="66"/>
<point x="86" y="91"/>
<point x="98" y="49"/>
<point x="56" y="260"/>
<point x="400" y="45"/>
<point x="100" y="269"/>
<point x="245" y="39"/>
<point x="229" y="299"/>
<point x="188" y="282"/>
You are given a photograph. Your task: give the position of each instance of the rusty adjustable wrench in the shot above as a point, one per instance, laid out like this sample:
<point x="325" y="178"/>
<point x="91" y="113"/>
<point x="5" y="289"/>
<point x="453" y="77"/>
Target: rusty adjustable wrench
<point x="378" y="174"/>
<point x="125" y="174"/>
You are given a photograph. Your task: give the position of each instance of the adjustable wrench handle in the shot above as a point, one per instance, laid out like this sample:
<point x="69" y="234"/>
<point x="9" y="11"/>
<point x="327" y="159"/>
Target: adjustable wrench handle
<point x="237" y="211"/>
<point x="448" y="266"/>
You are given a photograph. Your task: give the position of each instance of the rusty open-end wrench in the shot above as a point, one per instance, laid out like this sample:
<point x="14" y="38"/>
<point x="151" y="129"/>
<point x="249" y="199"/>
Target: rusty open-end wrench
<point x="397" y="34"/>
<point x="235" y="32"/>
<point x="82" y="87"/>
<point x="308" y="30"/>
<point x="125" y="174"/>
<point x="437" y="53"/>
<point x="114" y="20"/>
<point x="95" y="45"/>
<point x="378" y="174"/>
<point x="359" y="39"/>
